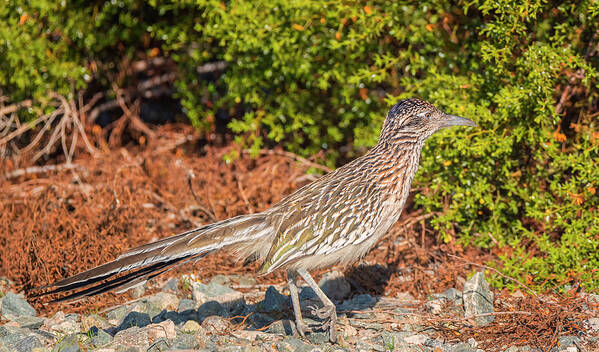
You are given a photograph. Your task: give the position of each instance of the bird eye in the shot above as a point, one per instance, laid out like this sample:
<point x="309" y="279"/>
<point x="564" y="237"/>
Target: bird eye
<point x="428" y="115"/>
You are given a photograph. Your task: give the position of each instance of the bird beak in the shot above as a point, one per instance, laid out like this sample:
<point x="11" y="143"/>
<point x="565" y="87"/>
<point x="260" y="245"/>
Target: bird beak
<point x="452" y="120"/>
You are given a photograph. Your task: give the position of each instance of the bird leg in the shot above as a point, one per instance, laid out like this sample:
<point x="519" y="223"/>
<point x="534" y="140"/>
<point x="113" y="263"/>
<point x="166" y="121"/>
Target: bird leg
<point x="328" y="311"/>
<point x="302" y="327"/>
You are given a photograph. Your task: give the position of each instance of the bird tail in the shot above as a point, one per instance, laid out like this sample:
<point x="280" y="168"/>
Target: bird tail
<point x="140" y="264"/>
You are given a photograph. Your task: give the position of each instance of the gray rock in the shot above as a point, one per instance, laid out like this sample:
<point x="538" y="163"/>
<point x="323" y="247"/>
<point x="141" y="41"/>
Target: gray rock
<point x="450" y="295"/>
<point x="462" y="347"/>
<point x="171" y="286"/>
<point x="222" y="280"/>
<point x="215" y="324"/>
<point x="478" y="299"/>
<point x="15" y="339"/>
<point x="132" y="337"/>
<point x="359" y="302"/>
<point x="159" y="345"/>
<point x="273" y="301"/>
<point x="186" y="304"/>
<point x="186" y="342"/>
<point x="566" y="341"/>
<point x="191" y="327"/>
<point x="307" y="293"/>
<point x="229" y="298"/>
<point x="98" y="337"/>
<point x="69" y="344"/>
<point x="210" y="308"/>
<point x="93" y="320"/>
<point x="62" y="324"/>
<point x="318" y="337"/>
<point x="27" y="322"/>
<point x="117" y="314"/>
<point x="593" y="324"/>
<point x="161" y="301"/>
<point x="246" y="280"/>
<point x="201" y="292"/>
<point x="16" y="306"/>
<point x="134" y="319"/>
<point x="334" y="285"/>
<point x="521" y="349"/>
<point x="259" y="320"/>
<point x="175" y="317"/>
<point x="295" y="345"/>
<point x="435" y="306"/>
<point x="284" y="327"/>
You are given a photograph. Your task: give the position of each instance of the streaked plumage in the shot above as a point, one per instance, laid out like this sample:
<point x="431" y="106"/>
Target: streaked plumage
<point x="335" y="219"/>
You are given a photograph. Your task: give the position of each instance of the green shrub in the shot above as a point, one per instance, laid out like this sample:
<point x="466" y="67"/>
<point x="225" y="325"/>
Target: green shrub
<point x="321" y="75"/>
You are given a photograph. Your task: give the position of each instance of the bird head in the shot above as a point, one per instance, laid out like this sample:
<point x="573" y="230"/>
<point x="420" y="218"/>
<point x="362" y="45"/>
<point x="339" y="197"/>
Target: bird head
<point x="419" y="118"/>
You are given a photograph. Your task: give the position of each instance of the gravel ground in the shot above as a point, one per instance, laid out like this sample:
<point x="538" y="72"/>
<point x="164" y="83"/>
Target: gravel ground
<point x="234" y="313"/>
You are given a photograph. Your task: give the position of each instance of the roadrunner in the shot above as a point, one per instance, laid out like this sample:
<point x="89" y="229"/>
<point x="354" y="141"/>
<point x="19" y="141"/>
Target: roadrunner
<point x="336" y="219"/>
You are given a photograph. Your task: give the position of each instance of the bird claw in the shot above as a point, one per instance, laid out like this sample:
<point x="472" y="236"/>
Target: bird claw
<point x="329" y="315"/>
<point x="323" y="313"/>
<point x="302" y="328"/>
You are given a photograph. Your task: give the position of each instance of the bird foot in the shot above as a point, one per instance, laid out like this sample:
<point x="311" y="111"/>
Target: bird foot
<point x="302" y="328"/>
<point x="329" y="315"/>
<point x="324" y="312"/>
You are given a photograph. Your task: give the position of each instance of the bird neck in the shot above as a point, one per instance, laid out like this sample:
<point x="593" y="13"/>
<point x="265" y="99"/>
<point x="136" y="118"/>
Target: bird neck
<point x="397" y="159"/>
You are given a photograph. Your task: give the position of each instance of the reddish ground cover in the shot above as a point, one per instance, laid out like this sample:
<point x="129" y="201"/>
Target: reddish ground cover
<point x="55" y="222"/>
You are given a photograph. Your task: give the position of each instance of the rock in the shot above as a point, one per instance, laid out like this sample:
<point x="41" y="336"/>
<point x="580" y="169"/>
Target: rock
<point x="69" y="344"/>
<point x="521" y="349"/>
<point x="259" y="320"/>
<point x="159" y="345"/>
<point x="62" y="324"/>
<point x="117" y="314"/>
<point x="93" y="320"/>
<point x="98" y="338"/>
<point x="14" y="306"/>
<point x="171" y="286"/>
<point x="188" y="342"/>
<point x="230" y="299"/>
<point x="307" y="293"/>
<point x="28" y="322"/>
<point x="246" y="281"/>
<point x="137" y="291"/>
<point x="221" y="280"/>
<point x="210" y="308"/>
<point x="478" y="299"/>
<point x="20" y="340"/>
<point x="462" y="347"/>
<point x="593" y="324"/>
<point x="435" y="306"/>
<point x="416" y="339"/>
<point x="213" y="292"/>
<point x="273" y="301"/>
<point x="164" y="330"/>
<point x="252" y="335"/>
<point x="161" y="301"/>
<point x="565" y="341"/>
<point x="27" y="344"/>
<point x="134" y="319"/>
<point x="132" y="337"/>
<point x="359" y="302"/>
<point x="451" y="294"/>
<point x="318" y="337"/>
<point x="334" y="285"/>
<point x="284" y="327"/>
<point x="186" y="304"/>
<point x="295" y="345"/>
<point x="215" y="324"/>
<point x="191" y="327"/>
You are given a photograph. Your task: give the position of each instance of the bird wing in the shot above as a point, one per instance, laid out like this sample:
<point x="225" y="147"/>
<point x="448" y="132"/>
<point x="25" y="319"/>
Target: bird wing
<point x="323" y="217"/>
